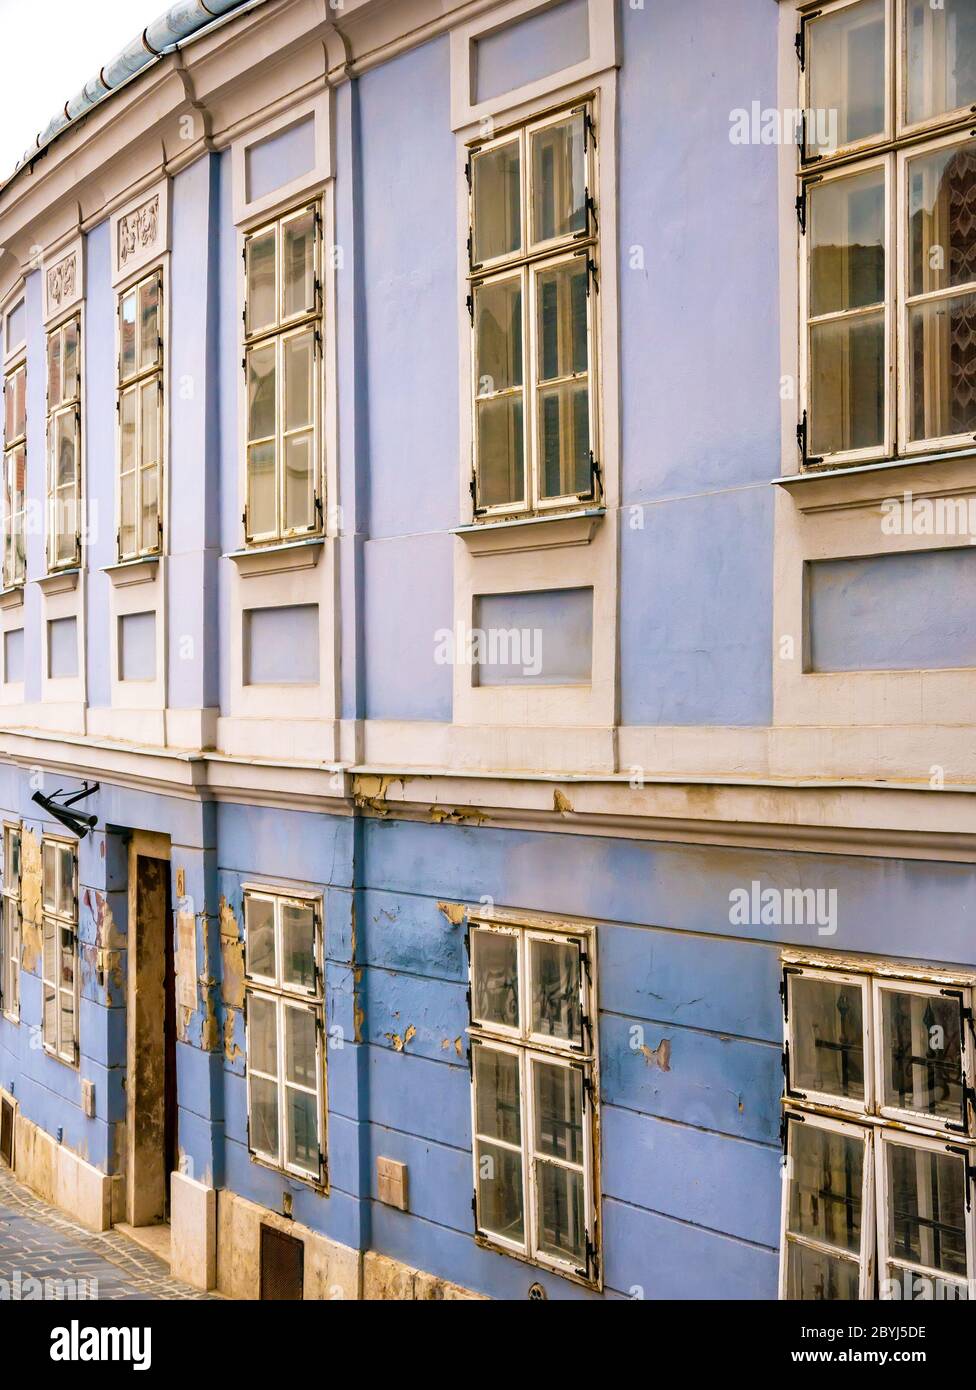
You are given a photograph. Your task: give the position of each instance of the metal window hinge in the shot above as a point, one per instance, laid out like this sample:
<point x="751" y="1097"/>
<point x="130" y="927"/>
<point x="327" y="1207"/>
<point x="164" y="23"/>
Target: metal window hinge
<point x="473" y="489"/>
<point x="467" y="172"/>
<point x="591" y="272"/>
<point x="587" y="1089"/>
<point x="471" y="1061"/>
<point x="590" y="205"/>
<point x="474" y="1207"/>
<point x="319" y="508"/>
<point x="596" y="490"/>
<point x="244" y="519"/>
<point x="801" y="210"/>
<point x="801" y="442"/>
<point x="785" y="1061"/>
<point x="318" y="342"/>
<point x="589" y="129"/>
<point x="970" y="1170"/>
<point x="469" y="305"/>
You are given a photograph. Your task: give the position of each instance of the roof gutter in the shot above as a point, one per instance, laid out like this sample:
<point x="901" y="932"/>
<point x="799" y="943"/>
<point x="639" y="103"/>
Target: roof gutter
<point x="186" y="20"/>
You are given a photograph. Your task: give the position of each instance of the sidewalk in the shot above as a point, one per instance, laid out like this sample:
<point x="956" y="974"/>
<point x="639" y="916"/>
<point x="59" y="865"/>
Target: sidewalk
<point x="39" y="1243"/>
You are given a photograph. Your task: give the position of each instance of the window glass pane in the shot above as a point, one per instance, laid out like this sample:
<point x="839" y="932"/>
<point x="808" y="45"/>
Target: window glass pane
<point x="554" y="974"/>
<point x="561" y="1222"/>
<point x="558" y="1103"/>
<point x="49" y="862"/>
<point x="20" y="402"/>
<point x="264" y="1116"/>
<point x="941" y="57"/>
<point x="847" y="243"/>
<point x="846" y="57"/>
<point x="927" y="1220"/>
<point x="262" y="1035"/>
<point x="298" y="945"/>
<point x="558" y="179"/>
<point x="564" y="443"/>
<point x="149" y="432"/>
<point x="501" y="470"/>
<point x="302" y="1130"/>
<point x="13" y="860"/>
<point x="54" y="370"/>
<point x="149" y="332"/>
<point x="71" y="364"/>
<point x="261" y="508"/>
<point x="497" y="201"/>
<point x="497" y="1094"/>
<point x="127" y="322"/>
<point x="847" y="384"/>
<point x="942" y="367"/>
<point x="300" y="1065"/>
<point x="260" y="937"/>
<point x="127" y="526"/>
<point x="921" y="1056"/>
<point x="826" y="1185"/>
<point x="261" y="281"/>
<point x="299" y="483"/>
<point x="68" y="1038"/>
<point x="942" y="229"/>
<point x="261" y="392"/>
<point x="815" y="1276"/>
<point x="64" y="449"/>
<point x="298" y="269"/>
<point x="50" y="1016"/>
<point x="299" y="353"/>
<point x="67" y="979"/>
<point x="66" y="882"/>
<point x="827" y="1037"/>
<point x="500" y="1204"/>
<point x="561" y="321"/>
<point x="50" y="961"/>
<point x="498" y="335"/>
<point x="494" y="978"/>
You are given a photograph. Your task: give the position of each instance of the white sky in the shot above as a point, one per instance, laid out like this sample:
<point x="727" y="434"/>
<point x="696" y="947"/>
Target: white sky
<point x="48" y="50"/>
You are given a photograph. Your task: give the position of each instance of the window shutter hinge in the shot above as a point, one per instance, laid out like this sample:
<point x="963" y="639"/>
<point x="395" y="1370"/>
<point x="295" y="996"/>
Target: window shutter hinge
<point x="474" y="1208"/>
<point x="589" y="129"/>
<point x="591" y="213"/>
<point x="319" y="509"/>
<point x="467" y="172"/>
<point x="596" y="489"/>
<point x="800" y="44"/>
<point x="318" y="342"/>
<point x="801" y="210"/>
<point x="591" y="272"/>
<point x="469" y="304"/>
<point x="801" y="442"/>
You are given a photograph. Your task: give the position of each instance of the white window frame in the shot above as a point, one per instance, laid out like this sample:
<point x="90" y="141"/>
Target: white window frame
<point x="60" y="923"/>
<point x="525" y="264"/>
<point x="964" y="1154"/>
<point x="960" y="1127"/>
<point x="11" y="447"/>
<point x="70" y="406"/>
<point x="793" y="1121"/>
<point x="807" y="22"/>
<point x="133" y="384"/>
<point x="947" y="118"/>
<point x="11" y="925"/>
<point x="850" y="457"/>
<point x="839" y="977"/>
<point x="312" y="320"/>
<point x="535" y="1049"/>
<point x="282" y="996"/>
<point x="899" y="144"/>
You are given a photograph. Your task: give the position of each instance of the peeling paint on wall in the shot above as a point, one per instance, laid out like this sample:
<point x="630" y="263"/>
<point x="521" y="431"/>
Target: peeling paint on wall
<point x="659" y="1056"/>
<point x="454" y="912"/>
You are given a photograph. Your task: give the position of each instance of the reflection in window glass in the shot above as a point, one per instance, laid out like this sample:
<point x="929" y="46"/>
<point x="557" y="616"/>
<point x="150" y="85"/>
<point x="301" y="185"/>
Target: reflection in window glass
<point x="828" y="1032"/>
<point x="558" y="179"/>
<point x="941" y="54"/>
<point x="846" y="59"/>
<point x="927" y="1212"/>
<point x="826" y="1184"/>
<point x="494" y="972"/>
<point x="922" y="1057"/>
<point x="497" y="198"/>
<point x="554" y="971"/>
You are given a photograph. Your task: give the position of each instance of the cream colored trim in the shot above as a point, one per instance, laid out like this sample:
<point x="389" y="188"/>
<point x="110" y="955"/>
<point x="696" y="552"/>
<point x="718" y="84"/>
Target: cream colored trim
<point x="140" y="233"/>
<point x="248" y="211"/>
<point x="465" y="110"/>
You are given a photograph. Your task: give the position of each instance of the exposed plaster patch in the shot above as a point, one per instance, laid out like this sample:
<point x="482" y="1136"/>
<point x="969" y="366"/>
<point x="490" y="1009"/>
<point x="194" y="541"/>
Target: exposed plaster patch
<point x="454" y="912"/>
<point x="659" y="1056"/>
<point x="455" y="815"/>
<point x="560" y="801"/>
<point x="369" y="792"/>
<point x="358" y="1012"/>
<point x="396" y="1042"/>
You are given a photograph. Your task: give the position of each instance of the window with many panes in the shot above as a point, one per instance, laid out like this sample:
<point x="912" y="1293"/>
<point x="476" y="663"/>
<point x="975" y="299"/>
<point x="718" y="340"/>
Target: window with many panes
<point x="283" y="370"/>
<point x="59" y="915"/>
<point x="533" y="254"/>
<point x="14" y="474"/>
<point x="64" y="444"/>
<point x="10" y="924"/>
<point x="285" y="1014"/>
<point x="534" y="1094"/>
<point x="140" y="409"/>
<point x="887" y="179"/>
<point x="878" y="1134"/>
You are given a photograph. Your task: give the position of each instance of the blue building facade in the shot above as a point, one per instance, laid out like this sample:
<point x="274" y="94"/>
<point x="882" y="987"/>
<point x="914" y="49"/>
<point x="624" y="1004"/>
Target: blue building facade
<point x="506" y="739"/>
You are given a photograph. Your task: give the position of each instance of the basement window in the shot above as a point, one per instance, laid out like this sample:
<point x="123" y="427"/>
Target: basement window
<point x="533" y="1065"/>
<point x="879" y="1135"/>
<point x="285" y="1016"/>
<point x="59" y="1029"/>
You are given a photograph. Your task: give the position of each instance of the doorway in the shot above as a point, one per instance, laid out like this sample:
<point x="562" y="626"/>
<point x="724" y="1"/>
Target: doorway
<point x="152" y="1139"/>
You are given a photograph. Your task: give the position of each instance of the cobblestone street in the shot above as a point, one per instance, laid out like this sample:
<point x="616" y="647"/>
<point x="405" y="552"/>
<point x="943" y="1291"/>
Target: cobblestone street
<point x="38" y="1243"/>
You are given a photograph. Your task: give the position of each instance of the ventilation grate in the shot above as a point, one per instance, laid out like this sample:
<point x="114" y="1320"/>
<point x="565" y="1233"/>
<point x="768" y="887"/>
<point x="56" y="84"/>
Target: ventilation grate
<point x="282" y="1266"/>
<point x="6" y="1132"/>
